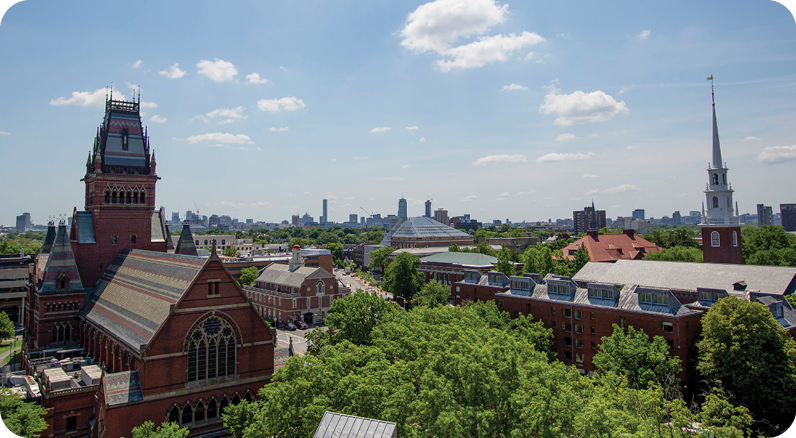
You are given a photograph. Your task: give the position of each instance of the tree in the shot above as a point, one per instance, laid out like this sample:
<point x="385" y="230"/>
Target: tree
<point x="230" y="252"/>
<point x="238" y="417"/>
<point x="768" y="245"/>
<point x="352" y="318"/>
<point x="749" y="351"/>
<point x="381" y="257"/>
<point x="22" y="418"/>
<point x="676" y="254"/>
<point x="720" y="416"/>
<point x="248" y="276"/>
<point x="336" y="249"/>
<point x="166" y="430"/>
<point x="581" y="258"/>
<point x="504" y="262"/>
<point x="7" y="329"/>
<point x="644" y="363"/>
<point x="433" y="294"/>
<point x="538" y="259"/>
<point x="401" y="277"/>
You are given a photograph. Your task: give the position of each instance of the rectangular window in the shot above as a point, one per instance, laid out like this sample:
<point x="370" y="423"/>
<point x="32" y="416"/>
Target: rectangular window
<point x="608" y="294"/>
<point x="567" y="313"/>
<point x="133" y="239"/>
<point x="568" y="355"/>
<point x="566" y="326"/>
<point x="578" y="343"/>
<point x="578" y="328"/>
<point x="670" y="343"/>
<point x="568" y="341"/>
<point x="294" y="303"/>
<point x="579" y="357"/>
<point x="591" y="315"/>
<point x="500" y="304"/>
<point x="592" y="330"/>
<point x="593" y="346"/>
<point x="578" y="314"/>
<point x="553" y="310"/>
<point x="113" y="240"/>
<point x="660" y="299"/>
<point x="527" y="309"/>
<point x="309" y="303"/>
<point x="645" y="298"/>
<point x="71" y="422"/>
<point x="667" y="327"/>
<point x="622" y="321"/>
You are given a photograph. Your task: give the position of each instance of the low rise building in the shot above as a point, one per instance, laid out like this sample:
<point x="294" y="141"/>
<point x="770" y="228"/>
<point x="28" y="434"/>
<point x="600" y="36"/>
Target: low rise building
<point x="611" y="247"/>
<point x="448" y="267"/>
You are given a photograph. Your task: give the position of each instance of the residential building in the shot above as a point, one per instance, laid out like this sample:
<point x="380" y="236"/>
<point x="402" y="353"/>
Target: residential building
<point x="588" y="219"/>
<point x="441" y="216"/>
<point x="348" y="426"/>
<point x="765" y="215"/>
<point x="352" y="218"/>
<point x="294" y="220"/>
<point x="676" y="218"/>
<point x="448" y="267"/>
<point x="788" y="214"/>
<point x="611" y="247"/>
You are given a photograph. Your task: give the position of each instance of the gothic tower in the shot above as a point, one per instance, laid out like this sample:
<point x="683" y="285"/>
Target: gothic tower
<point x="120" y="194"/>
<point x="721" y="229"/>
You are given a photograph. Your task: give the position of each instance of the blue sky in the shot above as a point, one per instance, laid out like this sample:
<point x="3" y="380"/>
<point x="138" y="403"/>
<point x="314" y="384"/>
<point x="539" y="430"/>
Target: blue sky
<point x="521" y="110"/>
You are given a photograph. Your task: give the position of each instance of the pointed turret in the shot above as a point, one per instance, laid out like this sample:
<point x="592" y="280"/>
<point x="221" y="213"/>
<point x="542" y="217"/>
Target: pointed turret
<point x="46" y="247"/>
<point x="60" y="274"/>
<point x="717" y="163"/>
<point x="185" y="245"/>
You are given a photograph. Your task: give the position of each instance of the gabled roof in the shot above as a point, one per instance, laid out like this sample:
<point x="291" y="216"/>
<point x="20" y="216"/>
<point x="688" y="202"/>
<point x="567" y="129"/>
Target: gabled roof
<point x="462" y="258"/>
<point x="280" y="274"/>
<point x="335" y="425"/>
<point x="683" y="276"/>
<point x="612" y="247"/>
<point x="61" y="263"/>
<point x="185" y="245"/>
<point x="133" y="297"/>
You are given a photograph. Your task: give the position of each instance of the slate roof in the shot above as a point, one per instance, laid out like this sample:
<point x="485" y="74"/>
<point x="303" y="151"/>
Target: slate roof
<point x="280" y="274"/>
<point x="61" y="261"/>
<point x="159" y="229"/>
<point x="612" y="247"/>
<point x="48" y="239"/>
<point x="132" y="298"/>
<point x="335" y="425"/>
<point x="683" y="276"/>
<point x="83" y="227"/>
<point x="122" y="116"/>
<point x="420" y="228"/>
<point x="185" y="245"/>
<point x="462" y="258"/>
<point x="122" y="388"/>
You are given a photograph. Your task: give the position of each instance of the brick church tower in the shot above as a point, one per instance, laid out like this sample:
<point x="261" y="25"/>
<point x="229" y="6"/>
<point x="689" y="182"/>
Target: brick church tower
<point x="120" y="194"/>
<point x="721" y="227"/>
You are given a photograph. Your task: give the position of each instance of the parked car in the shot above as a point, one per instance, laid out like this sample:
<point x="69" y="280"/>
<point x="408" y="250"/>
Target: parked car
<point x="302" y="325"/>
<point x="290" y="327"/>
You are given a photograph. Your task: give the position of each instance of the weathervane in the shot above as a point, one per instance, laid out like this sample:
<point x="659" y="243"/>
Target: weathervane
<point x="710" y="78"/>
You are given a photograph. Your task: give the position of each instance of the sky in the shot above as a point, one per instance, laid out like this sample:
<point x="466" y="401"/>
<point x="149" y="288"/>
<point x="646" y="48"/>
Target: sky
<point x="519" y="110"/>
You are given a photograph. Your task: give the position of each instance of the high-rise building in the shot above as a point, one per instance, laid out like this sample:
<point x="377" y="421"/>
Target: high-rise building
<point x="325" y="217"/>
<point x="402" y="209"/>
<point x="788" y="214"/>
<point x="588" y="219"/>
<point x="428" y="208"/>
<point x="295" y="220"/>
<point x="765" y="215"/>
<point x="721" y="226"/>
<point x="175" y="217"/>
<point x="638" y="214"/>
<point x="676" y="218"/>
<point x="441" y="216"/>
<point x="352" y="218"/>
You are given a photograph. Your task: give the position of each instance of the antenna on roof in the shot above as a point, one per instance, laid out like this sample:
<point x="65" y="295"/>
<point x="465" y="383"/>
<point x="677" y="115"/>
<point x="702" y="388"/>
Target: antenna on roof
<point x="111" y="90"/>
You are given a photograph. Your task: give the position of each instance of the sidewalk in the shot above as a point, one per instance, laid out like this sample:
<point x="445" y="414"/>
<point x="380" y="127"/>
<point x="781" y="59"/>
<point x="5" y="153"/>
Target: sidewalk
<point x="10" y="352"/>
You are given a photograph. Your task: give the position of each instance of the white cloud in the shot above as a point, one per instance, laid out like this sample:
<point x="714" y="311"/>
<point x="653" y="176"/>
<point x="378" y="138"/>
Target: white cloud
<point x="514" y="87"/>
<point x="291" y="103"/>
<point x="334" y="159"/>
<point x="777" y="154"/>
<point x="86" y="98"/>
<point x="262" y="204"/>
<point x="282" y="129"/>
<point x="360" y="158"/>
<point x="227" y="113"/>
<point x="589" y="175"/>
<point x="217" y="70"/>
<point x="436" y="26"/>
<point x="750" y="139"/>
<point x="4" y="133"/>
<point x="504" y="195"/>
<point x="470" y="198"/>
<point x="229" y="146"/>
<point x="218" y="137"/>
<point x="486" y="50"/>
<point x="149" y="105"/>
<point x="405" y="166"/>
<point x="644" y="34"/>
<point x="254" y="78"/>
<point x="580" y="107"/>
<point x="422" y="139"/>
<point x="564" y="157"/>
<point x="283" y="69"/>
<point x="379" y="130"/>
<point x="173" y="72"/>
<point x="632" y="148"/>
<point x="565" y="137"/>
<point x="227" y="204"/>
<point x="682" y="195"/>
<point x="525" y="193"/>
<point x="226" y="121"/>
<point x="411" y="128"/>
<point x="496" y="159"/>
<point x="200" y="117"/>
<point x="157" y="119"/>
<point x="624" y="188"/>
<point x="566" y="36"/>
<point x="138" y="64"/>
<point x="350" y="198"/>
<point x="623" y="90"/>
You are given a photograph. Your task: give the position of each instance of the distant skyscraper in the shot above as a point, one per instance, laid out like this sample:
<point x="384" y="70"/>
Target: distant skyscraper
<point x="676" y="218"/>
<point x="589" y="219"/>
<point x="325" y="217"/>
<point x="765" y="215"/>
<point x="441" y="216"/>
<point x="352" y="218"/>
<point x="788" y="214"/>
<point x="295" y="219"/>
<point x="175" y="217"/>
<point x="638" y="214"/>
<point x="402" y="208"/>
<point x="428" y="208"/>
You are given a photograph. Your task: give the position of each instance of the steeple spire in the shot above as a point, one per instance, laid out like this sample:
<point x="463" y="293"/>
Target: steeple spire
<point x="717" y="162"/>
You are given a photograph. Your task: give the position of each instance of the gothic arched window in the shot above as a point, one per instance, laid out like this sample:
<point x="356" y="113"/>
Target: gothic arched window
<point x="129" y="197"/>
<point x="715" y="202"/>
<point x="212" y="410"/>
<point x="187" y="415"/>
<point x="734" y="238"/>
<point x="319" y="288"/>
<point x="135" y="198"/>
<point x="715" y="239"/>
<point x="107" y="197"/>
<point x="174" y="415"/>
<point x="142" y="198"/>
<point x="114" y="198"/>
<point x="724" y="178"/>
<point x="715" y="178"/>
<point x="211" y="349"/>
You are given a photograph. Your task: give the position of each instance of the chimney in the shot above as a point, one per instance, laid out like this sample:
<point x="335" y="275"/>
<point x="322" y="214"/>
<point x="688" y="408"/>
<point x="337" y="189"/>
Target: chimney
<point x="630" y="233"/>
<point x="593" y="234"/>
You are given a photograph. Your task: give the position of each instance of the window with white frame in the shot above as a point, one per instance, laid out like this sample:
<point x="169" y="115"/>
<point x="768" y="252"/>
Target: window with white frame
<point x="735" y="238"/>
<point x="715" y="239"/>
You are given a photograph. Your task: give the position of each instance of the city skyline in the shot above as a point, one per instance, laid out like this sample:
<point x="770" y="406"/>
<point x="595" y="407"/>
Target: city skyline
<point x="503" y="111"/>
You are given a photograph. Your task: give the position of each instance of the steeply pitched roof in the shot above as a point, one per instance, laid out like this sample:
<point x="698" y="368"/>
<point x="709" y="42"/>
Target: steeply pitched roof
<point x="462" y="258"/>
<point x="612" y="247"/>
<point x="185" y="245"/>
<point x="83" y="227"/>
<point x="122" y="118"/>
<point x="133" y="297"/>
<point x="61" y="262"/>
<point x="422" y="228"/>
<point x="159" y="229"/>
<point x="335" y="425"/>
<point x="281" y="274"/>
<point x="682" y="276"/>
<point x="48" y="239"/>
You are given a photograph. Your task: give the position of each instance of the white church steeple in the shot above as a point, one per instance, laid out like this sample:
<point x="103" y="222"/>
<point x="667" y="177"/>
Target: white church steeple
<point x="718" y="192"/>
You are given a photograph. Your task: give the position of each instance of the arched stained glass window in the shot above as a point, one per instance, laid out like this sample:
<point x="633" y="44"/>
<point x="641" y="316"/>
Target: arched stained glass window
<point x="211" y="350"/>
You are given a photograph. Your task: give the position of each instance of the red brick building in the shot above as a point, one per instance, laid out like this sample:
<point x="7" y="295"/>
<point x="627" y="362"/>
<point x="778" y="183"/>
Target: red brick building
<point x="612" y="247"/>
<point x="120" y="331"/>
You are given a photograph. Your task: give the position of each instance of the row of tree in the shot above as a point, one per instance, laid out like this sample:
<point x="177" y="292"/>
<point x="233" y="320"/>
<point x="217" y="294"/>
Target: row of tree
<point x="30" y="242"/>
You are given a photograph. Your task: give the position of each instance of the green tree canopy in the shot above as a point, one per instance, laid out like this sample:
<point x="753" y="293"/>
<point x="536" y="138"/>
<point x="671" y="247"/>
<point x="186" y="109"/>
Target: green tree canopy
<point x="504" y="262"/>
<point x="642" y="361"/>
<point x="678" y="237"/>
<point x="248" y="276"/>
<point x="238" y="417"/>
<point x="379" y="258"/>
<point x="6" y="327"/>
<point x="165" y="430"/>
<point x="676" y="254"/>
<point x="352" y="319"/>
<point x="20" y="417"/>
<point x="749" y="351"/>
<point x="768" y="245"/>
<point x="401" y="277"/>
<point x="432" y="294"/>
<point x="336" y="250"/>
<point x="538" y="259"/>
<point x="581" y="258"/>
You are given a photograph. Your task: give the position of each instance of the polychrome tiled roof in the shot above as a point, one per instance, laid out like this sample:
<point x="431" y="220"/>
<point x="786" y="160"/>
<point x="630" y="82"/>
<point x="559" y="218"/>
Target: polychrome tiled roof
<point x="61" y="261"/>
<point x="122" y="388"/>
<point x="48" y="239"/>
<point x="133" y="297"/>
<point x="185" y="245"/>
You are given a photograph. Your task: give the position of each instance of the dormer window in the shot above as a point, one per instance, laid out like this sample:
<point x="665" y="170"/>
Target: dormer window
<point x="125" y="144"/>
<point x="777" y="311"/>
